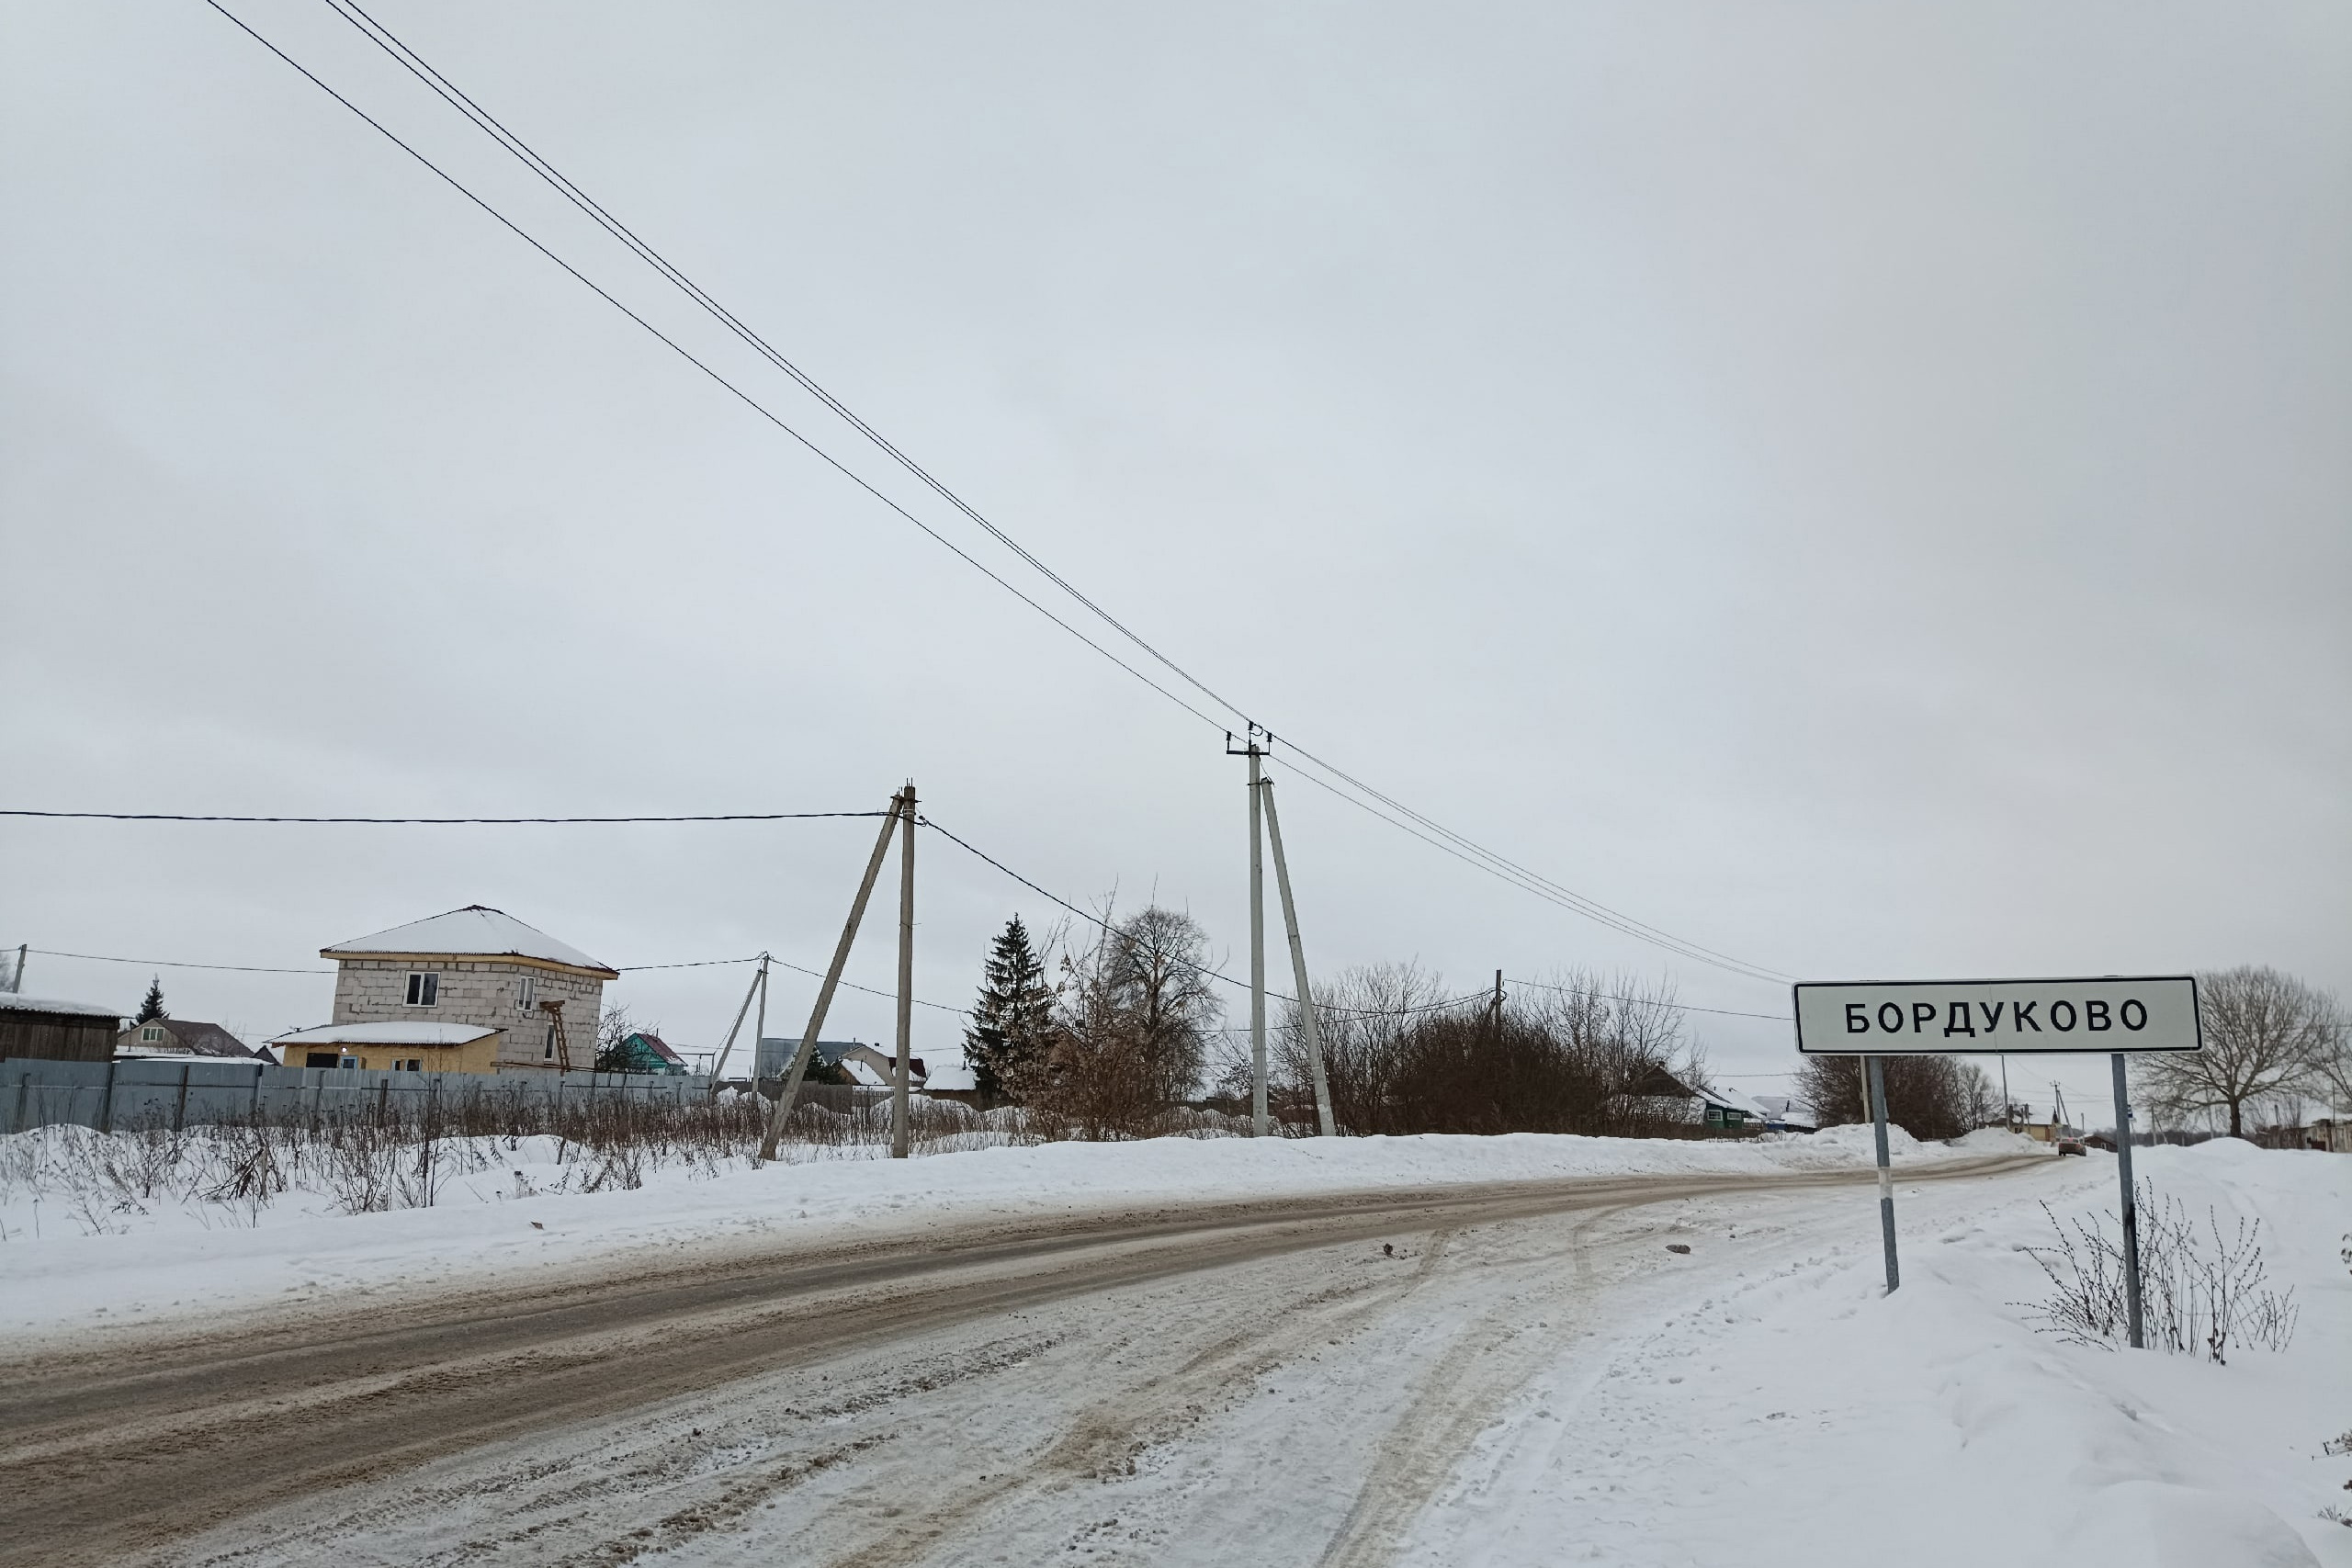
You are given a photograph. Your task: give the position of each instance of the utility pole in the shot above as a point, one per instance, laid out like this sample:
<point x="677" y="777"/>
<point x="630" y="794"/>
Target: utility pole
<point x="16" y="982"/>
<point x="1495" y="1008"/>
<point x="906" y="969"/>
<point x="758" y="987"/>
<point x="2009" y="1117"/>
<point x="825" y="992"/>
<point x="1310" y="1028"/>
<point x="1257" y="932"/>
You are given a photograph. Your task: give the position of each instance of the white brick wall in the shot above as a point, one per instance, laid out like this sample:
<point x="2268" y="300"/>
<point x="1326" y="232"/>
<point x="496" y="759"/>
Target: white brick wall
<point x="481" y="992"/>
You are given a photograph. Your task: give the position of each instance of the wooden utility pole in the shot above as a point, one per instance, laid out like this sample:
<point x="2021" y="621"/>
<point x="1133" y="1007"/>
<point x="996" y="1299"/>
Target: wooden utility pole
<point x="1310" y="1027"/>
<point x="898" y="1106"/>
<point x="1495" y="1008"/>
<point x="825" y="992"/>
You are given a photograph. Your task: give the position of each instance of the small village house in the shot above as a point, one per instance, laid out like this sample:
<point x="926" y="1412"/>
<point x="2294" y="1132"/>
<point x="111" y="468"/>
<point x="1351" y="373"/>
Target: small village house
<point x="56" y="1031"/>
<point x="177" y="1037"/>
<point x="463" y="992"/>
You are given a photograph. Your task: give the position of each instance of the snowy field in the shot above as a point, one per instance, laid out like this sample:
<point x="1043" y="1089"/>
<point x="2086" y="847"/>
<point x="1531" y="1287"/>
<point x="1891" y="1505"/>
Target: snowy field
<point x="1558" y="1389"/>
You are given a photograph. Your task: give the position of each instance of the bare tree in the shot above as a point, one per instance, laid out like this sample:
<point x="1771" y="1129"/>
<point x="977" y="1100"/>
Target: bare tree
<point x="2267" y="1037"/>
<point x="1928" y="1097"/>
<point x="1133" y="1030"/>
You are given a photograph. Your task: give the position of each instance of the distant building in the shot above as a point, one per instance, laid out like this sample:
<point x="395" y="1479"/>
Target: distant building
<point x="1664" y="1095"/>
<point x="958" y="1083"/>
<point x="398" y="1045"/>
<point x="642" y="1052"/>
<point x="477" y="972"/>
<point x="850" y="1061"/>
<point x="177" y="1037"/>
<point x="1784" y="1113"/>
<point x="56" y="1031"/>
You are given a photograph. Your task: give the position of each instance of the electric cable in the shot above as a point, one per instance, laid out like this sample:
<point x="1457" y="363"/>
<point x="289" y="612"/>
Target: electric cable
<point x="1476" y="854"/>
<point x="437" y="821"/>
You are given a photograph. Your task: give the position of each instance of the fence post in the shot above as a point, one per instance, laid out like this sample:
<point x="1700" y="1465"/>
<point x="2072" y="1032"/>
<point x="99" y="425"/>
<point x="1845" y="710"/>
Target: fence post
<point x="105" y="1106"/>
<point x="179" y="1105"/>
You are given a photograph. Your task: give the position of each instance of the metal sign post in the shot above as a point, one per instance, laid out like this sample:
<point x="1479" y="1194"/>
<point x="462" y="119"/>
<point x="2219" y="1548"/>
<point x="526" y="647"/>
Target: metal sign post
<point x="1885" y="1176"/>
<point x="2130" y="1206"/>
<point x="2112" y="1014"/>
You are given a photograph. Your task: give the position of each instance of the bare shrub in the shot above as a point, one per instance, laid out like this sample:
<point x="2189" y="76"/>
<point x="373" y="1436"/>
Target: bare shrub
<point x="1931" y="1097"/>
<point x="2197" y="1297"/>
<point x="1601" y="1055"/>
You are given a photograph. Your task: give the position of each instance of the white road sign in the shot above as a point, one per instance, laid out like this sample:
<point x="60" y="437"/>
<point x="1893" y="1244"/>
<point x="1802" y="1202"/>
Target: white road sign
<point x="1893" y="1017"/>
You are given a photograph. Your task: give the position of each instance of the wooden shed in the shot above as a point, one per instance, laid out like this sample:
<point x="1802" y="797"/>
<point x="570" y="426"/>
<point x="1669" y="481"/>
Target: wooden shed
<point x="55" y="1030"/>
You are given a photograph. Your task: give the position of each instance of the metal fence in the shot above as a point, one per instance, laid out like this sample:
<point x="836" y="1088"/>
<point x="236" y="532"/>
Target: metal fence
<point x="36" y="1092"/>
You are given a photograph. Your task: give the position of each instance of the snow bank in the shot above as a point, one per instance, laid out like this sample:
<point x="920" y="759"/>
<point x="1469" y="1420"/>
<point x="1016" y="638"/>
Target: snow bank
<point x="99" y="1254"/>
<point x="1934" y="1426"/>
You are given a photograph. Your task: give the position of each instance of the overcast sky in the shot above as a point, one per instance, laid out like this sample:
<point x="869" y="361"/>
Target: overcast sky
<point x="1862" y="488"/>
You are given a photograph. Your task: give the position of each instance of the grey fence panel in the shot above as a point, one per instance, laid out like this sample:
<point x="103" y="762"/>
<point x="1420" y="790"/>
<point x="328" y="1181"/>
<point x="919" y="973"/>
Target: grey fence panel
<point x="36" y="1092"/>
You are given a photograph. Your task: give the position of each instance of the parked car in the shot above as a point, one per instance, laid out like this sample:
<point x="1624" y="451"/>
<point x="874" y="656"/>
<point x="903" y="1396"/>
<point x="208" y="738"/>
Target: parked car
<point x="2072" y="1147"/>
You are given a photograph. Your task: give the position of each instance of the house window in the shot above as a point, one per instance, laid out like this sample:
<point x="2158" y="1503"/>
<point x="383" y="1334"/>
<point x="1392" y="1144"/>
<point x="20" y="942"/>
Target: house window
<point x="320" y="1059"/>
<point x="423" y="990"/>
<point x="526" y="993"/>
<point x="149" y="1035"/>
<point x="548" y="1054"/>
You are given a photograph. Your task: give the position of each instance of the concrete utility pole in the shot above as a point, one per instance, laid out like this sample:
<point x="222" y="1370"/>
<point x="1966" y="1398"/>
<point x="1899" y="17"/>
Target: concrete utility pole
<point x="1309" y="1025"/>
<point x="906" y="970"/>
<point x="825" y="992"/>
<point x="17" y="981"/>
<point x="1495" y="1008"/>
<point x="1257" y="935"/>
<point x="758" y="987"/>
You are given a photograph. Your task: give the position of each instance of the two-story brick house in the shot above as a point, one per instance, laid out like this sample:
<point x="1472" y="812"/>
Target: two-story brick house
<point x="461" y="992"/>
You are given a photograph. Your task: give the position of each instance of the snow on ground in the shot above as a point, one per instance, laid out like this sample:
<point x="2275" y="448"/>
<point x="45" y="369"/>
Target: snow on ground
<point x="1797" y="1414"/>
<point x="83" y="1248"/>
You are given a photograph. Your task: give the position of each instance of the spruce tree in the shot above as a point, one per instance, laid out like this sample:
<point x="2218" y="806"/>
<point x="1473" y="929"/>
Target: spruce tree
<point x="152" y="1007"/>
<point x="1012" y="1021"/>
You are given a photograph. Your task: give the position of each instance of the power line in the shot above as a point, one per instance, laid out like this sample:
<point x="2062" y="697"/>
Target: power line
<point x="175" y="964"/>
<point x="625" y="968"/>
<point x="441" y="821"/>
<point x="1652" y="1001"/>
<point x="1469" y="849"/>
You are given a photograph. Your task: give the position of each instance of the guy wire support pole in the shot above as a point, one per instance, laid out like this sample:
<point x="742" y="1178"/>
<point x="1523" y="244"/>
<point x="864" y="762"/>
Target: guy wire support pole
<point x="2130" y="1206"/>
<point x="1307" y="1025"/>
<point x="906" y="969"/>
<point x="1885" y="1179"/>
<point x="825" y="992"/>
<point x="758" y="987"/>
<point x="1257" y="936"/>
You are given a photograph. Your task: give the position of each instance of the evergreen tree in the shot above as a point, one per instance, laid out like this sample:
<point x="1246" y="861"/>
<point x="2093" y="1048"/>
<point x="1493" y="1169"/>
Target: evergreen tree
<point x="152" y="1007"/>
<point x="1011" y="1026"/>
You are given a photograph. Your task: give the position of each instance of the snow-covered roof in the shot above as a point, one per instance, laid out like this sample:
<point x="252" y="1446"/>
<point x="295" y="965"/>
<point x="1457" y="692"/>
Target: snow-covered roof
<point x="1732" y="1100"/>
<point x="957" y="1078"/>
<point x="48" y="1004"/>
<point x="475" y="931"/>
<point x="188" y="1038"/>
<point x="397" y="1032"/>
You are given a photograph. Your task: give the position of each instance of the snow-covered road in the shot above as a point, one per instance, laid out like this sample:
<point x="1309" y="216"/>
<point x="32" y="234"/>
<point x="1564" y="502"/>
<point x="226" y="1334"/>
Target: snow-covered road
<point x="1436" y="1375"/>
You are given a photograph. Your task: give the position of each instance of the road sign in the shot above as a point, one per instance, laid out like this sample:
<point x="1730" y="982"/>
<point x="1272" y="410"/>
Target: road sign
<point x="1895" y="1018"/>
